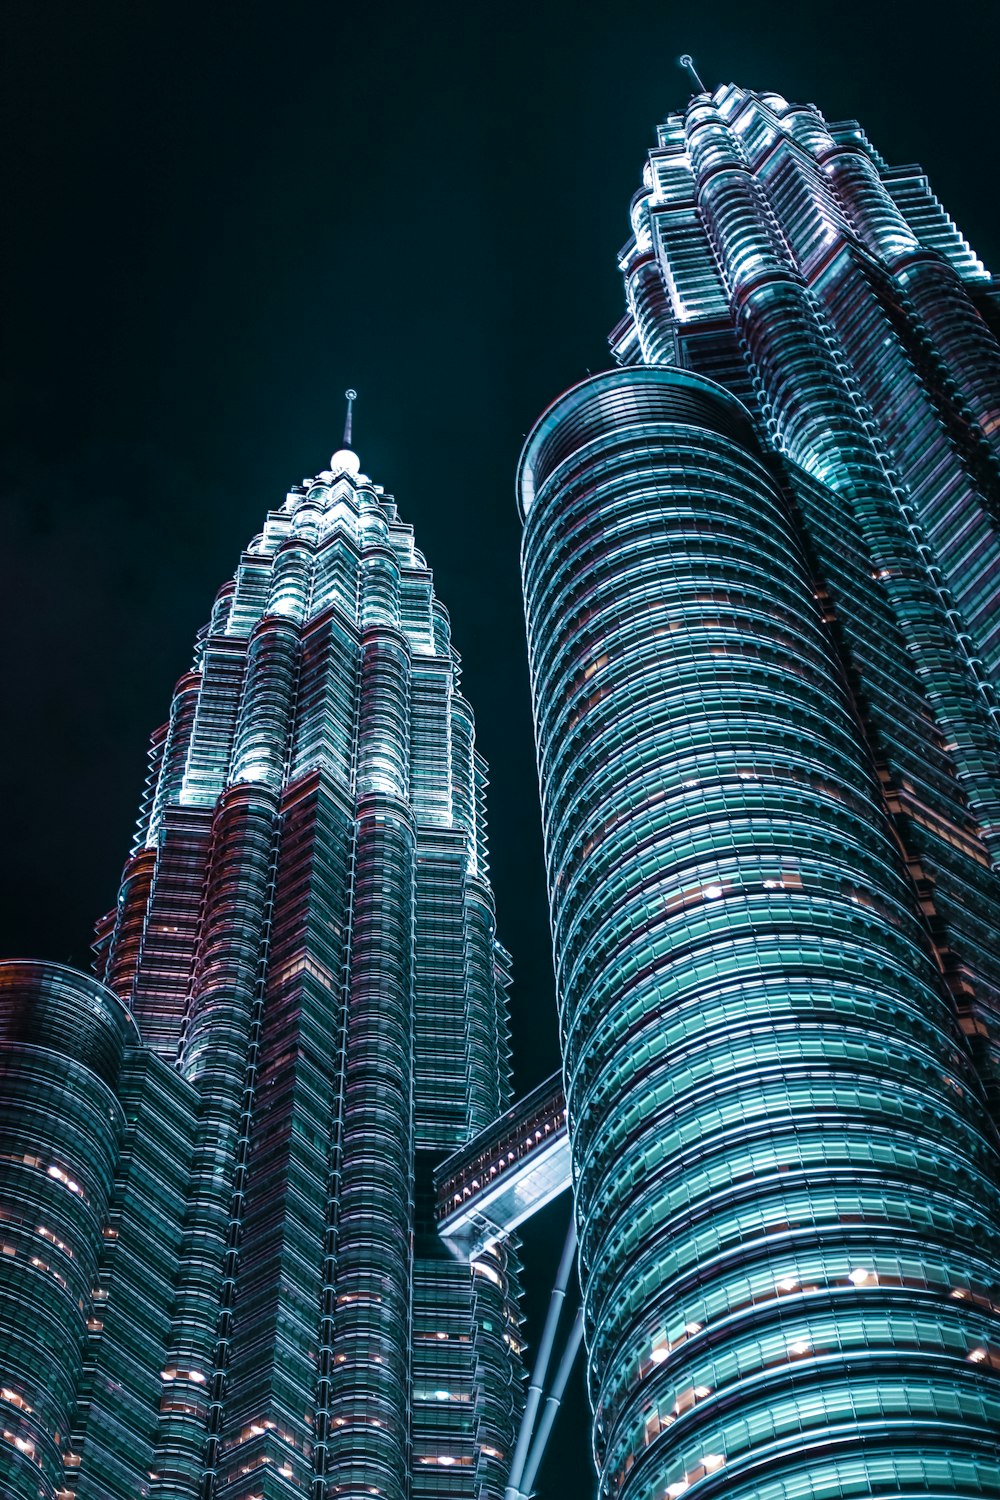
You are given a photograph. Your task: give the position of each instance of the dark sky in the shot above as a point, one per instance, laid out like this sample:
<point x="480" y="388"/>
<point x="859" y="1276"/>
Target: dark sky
<point x="221" y="215"/>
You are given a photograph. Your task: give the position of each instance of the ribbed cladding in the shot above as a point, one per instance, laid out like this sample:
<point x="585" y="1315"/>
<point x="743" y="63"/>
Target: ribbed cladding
<point x="369" y="1385"/>
<point x="966" y="347"/>
<point x="898" y="372"/>
<point x="955" y="402"/>
<point x="431" y="687"/>
<point x="125" y="939"/>
<point x="483" y="998"/>
<point x="815" y="420"/>
<point x="223" y="664"/>
<point x="214" y="1059"/>
<point x="812" y="413"/>
<point x="597" y="409"/>
<point x="271" y="1371"/>
<point x="62" y="1039"/>
<point x="486" y="1087"/>
<point x="291" y="580"/>
<point x="369" y="1388"/>
<point x="814" y="416"/>
<point x="499" y="1371"/>
<point x="383" y="717"/>
<point x="440" y="984"/>
<point x="154" y="765"/>
<point x="183" y="707"/>
<point x="649" y="305"/>
<point x="170" y="931"/>
<point x="463" y="780"/>
<point x="215" y="1052"/>
<point x="268" y="703"/>
<point x="237" y="915"/>
<point x="878" y="221"/>
<point x="466" y="1374"/>
<point x="931" y="525"/>
<point x="447" y="1404"/>
<point x="120" y="1395"/>
<point x="327" y="706"/>
<point x="786" y="1204"/>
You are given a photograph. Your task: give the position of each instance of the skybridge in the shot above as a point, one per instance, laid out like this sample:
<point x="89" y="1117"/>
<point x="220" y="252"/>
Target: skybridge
<point x="506" y="1173"/>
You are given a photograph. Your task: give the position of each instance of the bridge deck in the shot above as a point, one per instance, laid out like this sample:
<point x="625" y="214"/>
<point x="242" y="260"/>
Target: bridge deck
<point x="506" y="1173"/>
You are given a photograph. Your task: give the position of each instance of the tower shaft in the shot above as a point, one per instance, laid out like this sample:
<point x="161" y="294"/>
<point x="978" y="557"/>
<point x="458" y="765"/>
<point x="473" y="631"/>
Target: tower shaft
<point x="764" y="655"/>
<point x="305" y="997"/>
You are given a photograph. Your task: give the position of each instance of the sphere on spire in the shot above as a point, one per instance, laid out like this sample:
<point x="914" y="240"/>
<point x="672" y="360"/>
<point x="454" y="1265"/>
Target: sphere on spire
<point x="345" y="462"/>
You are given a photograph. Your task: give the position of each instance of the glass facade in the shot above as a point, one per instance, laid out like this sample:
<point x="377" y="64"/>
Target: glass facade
<point x="223" y="1278"/>
<point x="760" y="569"/>
<point x="779" y="255"/>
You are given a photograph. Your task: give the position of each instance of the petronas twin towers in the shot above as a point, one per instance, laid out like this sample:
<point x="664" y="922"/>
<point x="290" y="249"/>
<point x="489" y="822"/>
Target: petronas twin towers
<point x="259" y="1177"/>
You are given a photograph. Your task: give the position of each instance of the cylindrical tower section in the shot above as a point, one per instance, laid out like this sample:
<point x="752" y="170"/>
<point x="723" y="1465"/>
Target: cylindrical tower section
<point x="130" y="922"/>
<point x="268" y="705"/>
<point x="369" y="1385"/>
<point x="291" y="581"/>
<point x="213" y="1057"/>
<point x="784" y="1193"/>
<point x="62" y="1038"/>
<point x="482" y="1018"/>
<point x="367" y="1448"/>
<point x="650" y="307"/>
<point x="384" y="714"/>
<point x="815" y="418"/>
<point x="878" y="221"/>
<point x="183" y="708"/>
<point x="964" y="346"/>
<point x="463" y="777"/>
<point x="379" y="580"/>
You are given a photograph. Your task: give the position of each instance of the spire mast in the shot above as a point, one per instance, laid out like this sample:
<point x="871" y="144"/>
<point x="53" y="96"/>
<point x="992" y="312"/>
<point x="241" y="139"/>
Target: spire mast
<point x="345" y="460"/>
<point x="350" y="396"/>
<point x="686" y="61"/>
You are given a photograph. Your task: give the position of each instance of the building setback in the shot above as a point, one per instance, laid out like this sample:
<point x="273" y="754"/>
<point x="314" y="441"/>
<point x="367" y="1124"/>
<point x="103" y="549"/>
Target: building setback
<point x="220" y="1275"/>
<point x="761" y="566"/>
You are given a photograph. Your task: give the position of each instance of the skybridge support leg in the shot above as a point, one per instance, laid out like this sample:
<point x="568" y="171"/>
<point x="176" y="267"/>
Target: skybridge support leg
<point x="552" y="1406"/>
<point x="535" y="1389"/>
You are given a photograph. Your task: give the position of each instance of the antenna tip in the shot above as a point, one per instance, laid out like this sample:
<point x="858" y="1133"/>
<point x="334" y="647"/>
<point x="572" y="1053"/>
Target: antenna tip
<point x="345" y="447"/>
<point x="686" y="61"/>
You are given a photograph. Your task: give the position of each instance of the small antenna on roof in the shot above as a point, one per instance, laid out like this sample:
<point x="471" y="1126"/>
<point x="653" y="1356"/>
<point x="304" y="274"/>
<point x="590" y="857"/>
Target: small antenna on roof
<point x="351" y="396"/>
<point x="686" y="61"/>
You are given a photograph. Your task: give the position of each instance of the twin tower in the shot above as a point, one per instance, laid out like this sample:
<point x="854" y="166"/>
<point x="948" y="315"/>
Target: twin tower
<point x="258" y="1176"/>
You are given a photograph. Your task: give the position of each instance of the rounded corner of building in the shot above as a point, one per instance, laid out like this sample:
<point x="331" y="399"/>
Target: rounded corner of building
<point x="57" y="989"/>
<point x="602" y="399"/>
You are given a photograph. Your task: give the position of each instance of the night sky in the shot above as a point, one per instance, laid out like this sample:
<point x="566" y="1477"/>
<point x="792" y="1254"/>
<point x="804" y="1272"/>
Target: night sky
<point x="219" y="216"/>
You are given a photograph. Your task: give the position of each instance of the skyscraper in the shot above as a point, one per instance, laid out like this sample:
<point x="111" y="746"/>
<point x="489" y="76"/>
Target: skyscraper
<point x="761" y="566"/>
<point x="220" y="1272"/>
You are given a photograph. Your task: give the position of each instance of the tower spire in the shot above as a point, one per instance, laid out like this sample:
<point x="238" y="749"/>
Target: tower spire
<point x="686" y="61"/>
<point x="345" y="460"/>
